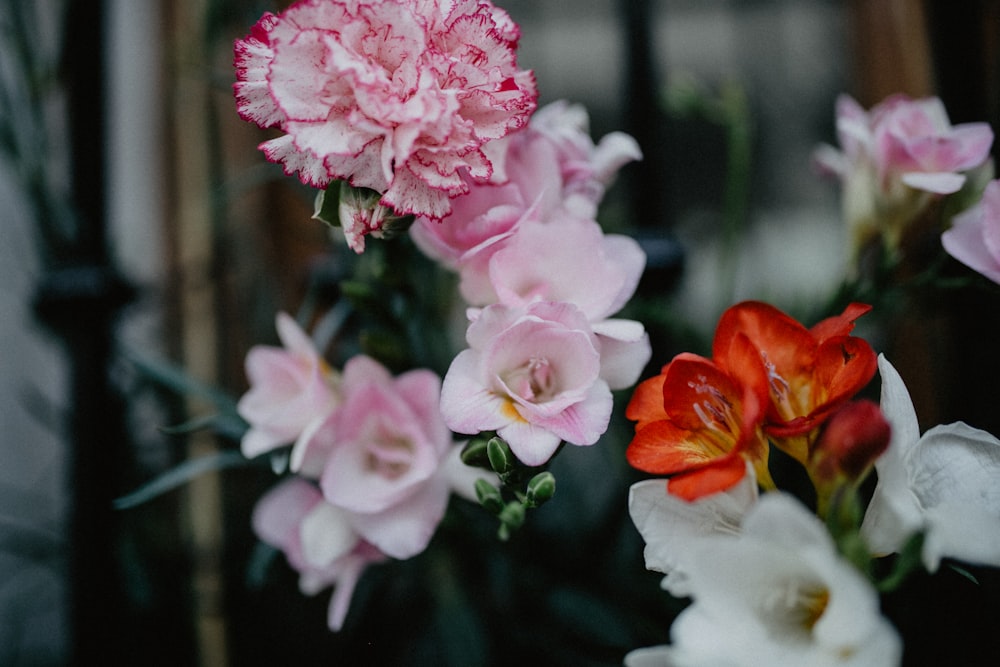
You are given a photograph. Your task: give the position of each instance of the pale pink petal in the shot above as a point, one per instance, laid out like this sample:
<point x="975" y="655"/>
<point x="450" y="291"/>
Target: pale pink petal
<point x="585" y="421"/>
<point x="942" y="183"/>
<point x="340" y="601"/>
<point x="531" y="444"/>
<point x="278" y="513"/>
<point x="467" y="405"/>
<point x="625" y="351"/>
<point x="405" y="529"/>
<point x="974" y="238"/>
<point x="326" y="535"/>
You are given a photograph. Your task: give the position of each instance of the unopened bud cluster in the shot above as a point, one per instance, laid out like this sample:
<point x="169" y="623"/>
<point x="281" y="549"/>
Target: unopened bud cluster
<point x="520" y="487"/>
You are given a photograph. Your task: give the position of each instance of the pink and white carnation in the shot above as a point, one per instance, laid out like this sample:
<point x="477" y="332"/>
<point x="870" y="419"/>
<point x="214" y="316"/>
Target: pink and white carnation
<point x="398" y="97"/>
<point x="550" y="170"/>
<point x="974" y="237"/>
<point x="318" y="541"/>
<point x="533" y="375"/>
<point x="291" y="387"/>
<point x="385" y="458"/>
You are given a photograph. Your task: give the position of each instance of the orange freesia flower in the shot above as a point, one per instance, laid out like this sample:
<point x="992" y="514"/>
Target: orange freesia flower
<point x="700" y="423"/>
<point x="811" y="372"/>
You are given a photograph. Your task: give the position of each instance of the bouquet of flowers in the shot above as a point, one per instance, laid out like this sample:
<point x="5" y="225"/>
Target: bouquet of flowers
<point x="487" y="320"/>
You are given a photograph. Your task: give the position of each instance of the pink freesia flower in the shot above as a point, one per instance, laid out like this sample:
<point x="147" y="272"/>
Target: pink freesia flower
<point x="388" y="461"/>
<point x="912" y="141"/>
<point x="317" y="540"/>
<point x="896" y="160"/>
<point x="398" y="97"/>
<point x="544" y="262"/>
<point x="533" y="374"/>
<point x="550" y="170"/>
<point x="585" y="169"/>
<point x="290" y="388"/>
<point x="974" y="238"/>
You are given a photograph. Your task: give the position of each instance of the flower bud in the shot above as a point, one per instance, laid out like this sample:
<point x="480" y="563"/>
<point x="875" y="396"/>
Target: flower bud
<point x="489" y="496"/>
<point x="541" y="488"/>
<point x="512" y="515"/>
<point x="501" y="458"/>
<point x="474" y="453"/>
<point x="853" y="438"/>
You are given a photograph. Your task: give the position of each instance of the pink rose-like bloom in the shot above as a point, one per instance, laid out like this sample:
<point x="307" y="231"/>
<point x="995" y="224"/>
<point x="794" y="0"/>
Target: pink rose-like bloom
<point x="388" y="461"/>
<point x="912" y="141"/>
<point x="586" y="169"/>
<point x="896" y="160"/>
<point x="290" y="388"/>
<point x="317" y="540"/>
<point x="974" y="238"/>
<point x="532" y="374"/>
<point x="550" y="170"/>
<point x="398" y="97"/>
<point x="573" y="261"/>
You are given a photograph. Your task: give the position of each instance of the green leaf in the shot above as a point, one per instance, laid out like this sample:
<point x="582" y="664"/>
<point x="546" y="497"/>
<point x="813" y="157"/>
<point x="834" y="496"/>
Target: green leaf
<point x="965" y="573"/>
<point x="180" y="475"/>
<point x="175" y="378"/>
<point x="327" y="205"/>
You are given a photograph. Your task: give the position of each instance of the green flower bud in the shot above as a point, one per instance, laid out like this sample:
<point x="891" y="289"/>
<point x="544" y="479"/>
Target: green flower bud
<point x="512" y="515"/>
<point x="489" y="496"/>
<point x="541" y="488"/>
<point x="474" y="453"/>
<point x="501" y="458"/>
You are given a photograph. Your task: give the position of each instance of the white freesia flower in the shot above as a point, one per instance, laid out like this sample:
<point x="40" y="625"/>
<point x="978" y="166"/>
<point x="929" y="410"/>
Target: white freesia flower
<point x="672" y="526"/>
<point x="778" y="595"/>
<point x="946" y="483"/>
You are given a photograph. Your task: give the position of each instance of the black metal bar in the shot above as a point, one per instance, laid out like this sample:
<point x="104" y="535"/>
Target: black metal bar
<point x="79" y="300"/>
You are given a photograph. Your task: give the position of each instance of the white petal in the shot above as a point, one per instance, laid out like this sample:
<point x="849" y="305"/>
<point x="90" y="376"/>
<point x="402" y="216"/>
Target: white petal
<point x="671" y="527"/>
<point x="326" y="535"/>
<point x="955" y="469"/>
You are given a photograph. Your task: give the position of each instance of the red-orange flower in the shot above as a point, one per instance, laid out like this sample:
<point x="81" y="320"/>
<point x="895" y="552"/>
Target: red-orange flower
<point x="700" y="423"/>
<point x="811" y="372"/>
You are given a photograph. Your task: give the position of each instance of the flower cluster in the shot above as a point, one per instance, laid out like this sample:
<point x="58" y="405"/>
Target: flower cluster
<point x="769" y="379"/>
<point x="415" y="117"/>
<point x="418" y="107"/>
<point x="796" y="589"/>
<point x="808" y="603"/>
<point x="373" y="460"/>
<point x="543" y="281"/>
